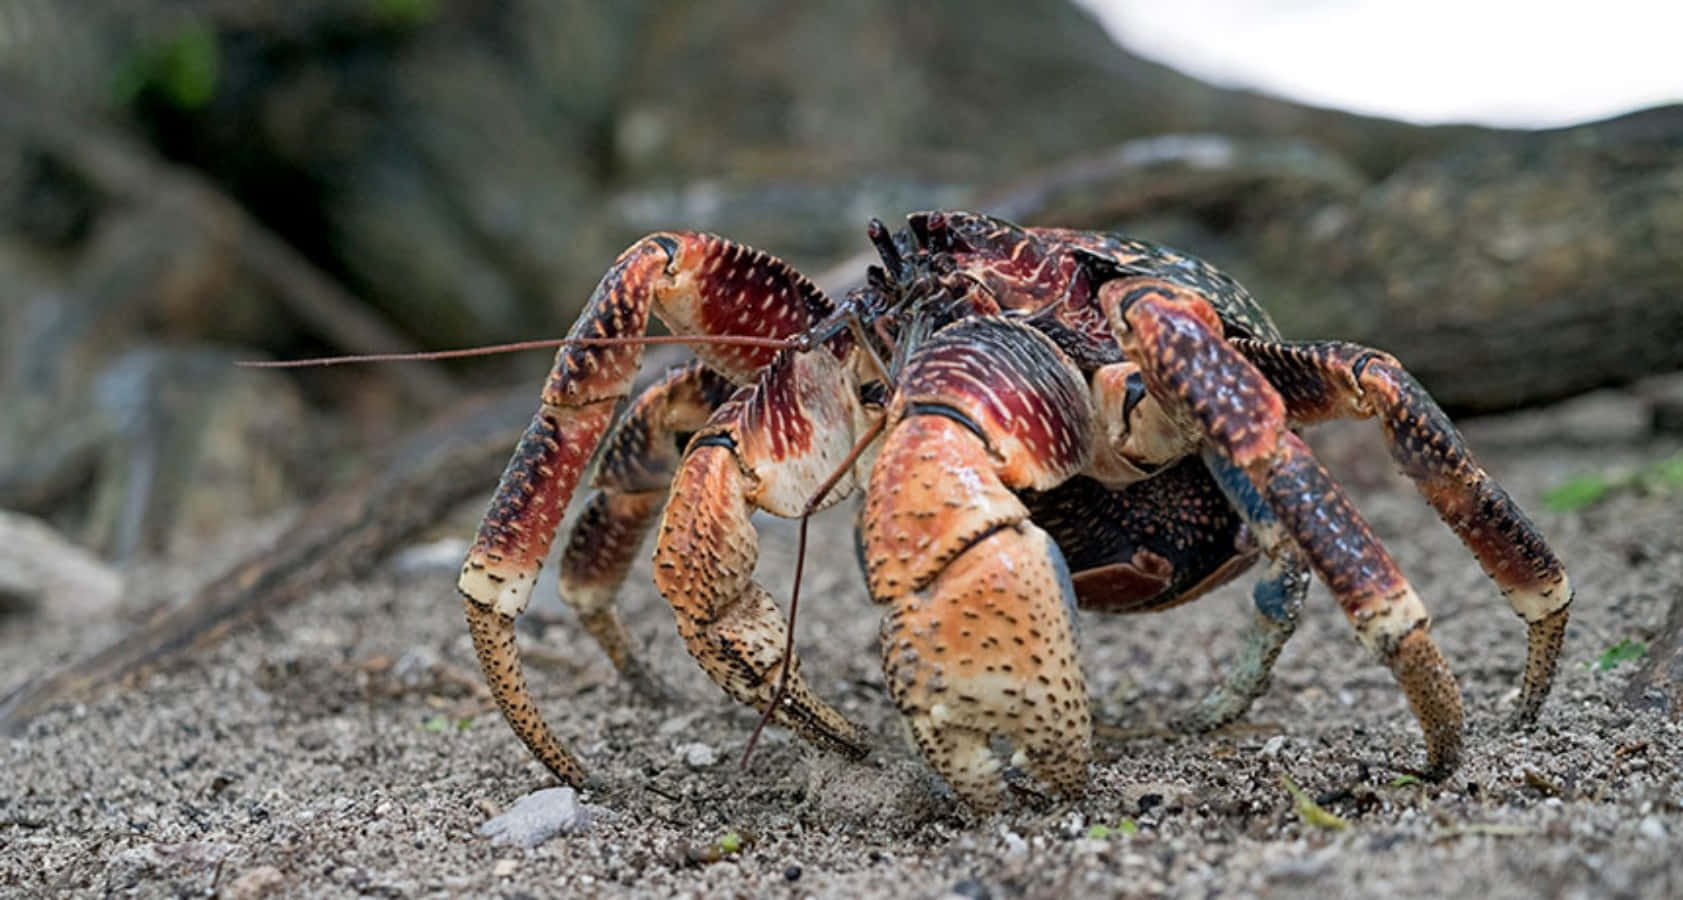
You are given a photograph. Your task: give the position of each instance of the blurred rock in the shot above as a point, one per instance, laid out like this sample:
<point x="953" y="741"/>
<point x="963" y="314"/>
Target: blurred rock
<point x="42" y="571"/>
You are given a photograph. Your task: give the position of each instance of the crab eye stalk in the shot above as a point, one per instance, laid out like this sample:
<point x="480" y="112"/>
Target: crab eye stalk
<point x="892" y="263"/>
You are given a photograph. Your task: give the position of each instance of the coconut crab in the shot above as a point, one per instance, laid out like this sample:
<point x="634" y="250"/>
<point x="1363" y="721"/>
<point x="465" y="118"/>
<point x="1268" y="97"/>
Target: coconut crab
<point x="1041" y="419"/>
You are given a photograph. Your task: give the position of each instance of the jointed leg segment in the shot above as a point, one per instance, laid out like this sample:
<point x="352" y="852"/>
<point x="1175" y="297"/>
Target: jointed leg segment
<point x="1324" y="380"/>
<point x="699" y="284"/>
<point x="1277" y="597"/>
<point x="638" y="460"/>
<point x="1177" y="339"/>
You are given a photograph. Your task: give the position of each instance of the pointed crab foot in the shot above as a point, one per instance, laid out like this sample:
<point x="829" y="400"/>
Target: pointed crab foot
<point x="493" y="641"/>
<point x="1433" y="696"/>
<point x="1544" y="638"/>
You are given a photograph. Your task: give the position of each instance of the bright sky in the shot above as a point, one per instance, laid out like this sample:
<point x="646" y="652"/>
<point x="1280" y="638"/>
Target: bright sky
<point x="1498" y="62"/>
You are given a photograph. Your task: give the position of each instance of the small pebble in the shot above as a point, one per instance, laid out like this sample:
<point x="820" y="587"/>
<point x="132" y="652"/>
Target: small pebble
<point x="1275" y="744"/>
<point x="1651" y="828"/>
<point x="541" y="815"/>
<point x="504" y="868"/>
<point x="792" y="873"/>
<point x="415" y="668"/>
<point x="697" y="755"/>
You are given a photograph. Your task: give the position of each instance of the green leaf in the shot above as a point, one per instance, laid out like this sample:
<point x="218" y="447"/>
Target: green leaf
<point x="1309" y="811"/>
<point x="183" y="69"/>
<point x="1404" y="780"/>
<point x="1099" y="832"/>
<point x="1127" y="826"/>
<point x="1577" y="492"/>
<point x="730" y="842"/>
<point x="436" y="723"/>
<point x="1624" y="651"/>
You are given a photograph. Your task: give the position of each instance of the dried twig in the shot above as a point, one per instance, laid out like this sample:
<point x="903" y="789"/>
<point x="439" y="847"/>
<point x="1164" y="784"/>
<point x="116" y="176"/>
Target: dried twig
<point x="455" y="458"/>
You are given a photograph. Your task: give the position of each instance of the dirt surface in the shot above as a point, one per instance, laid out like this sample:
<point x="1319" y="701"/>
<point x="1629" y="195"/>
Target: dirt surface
<point x="342" y="746"/>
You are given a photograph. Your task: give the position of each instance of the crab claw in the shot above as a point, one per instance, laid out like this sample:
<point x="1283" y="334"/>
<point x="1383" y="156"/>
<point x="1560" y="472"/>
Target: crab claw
<point x="986" y="652"/>
<point x="979" y="643"/>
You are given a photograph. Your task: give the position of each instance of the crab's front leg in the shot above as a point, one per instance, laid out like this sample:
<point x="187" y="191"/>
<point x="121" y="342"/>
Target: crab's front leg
<point x="1177" y="339"/>
<point x="979" y="644"/>
<point x="638" y="459"/>
<point x="770" y="448"/>
<point x="1277" y="597"/>
<point x="698" y="284"/>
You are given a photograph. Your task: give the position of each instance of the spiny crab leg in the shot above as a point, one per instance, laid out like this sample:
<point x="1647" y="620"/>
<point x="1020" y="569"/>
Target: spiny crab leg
<point x="1324" y="380"/>
<point x="769" y="447"/>
<point x="814" y="503"/>
<point x="699" y="284"/>
<point x="1177" y="339"/>
<point x="638" y="459"/>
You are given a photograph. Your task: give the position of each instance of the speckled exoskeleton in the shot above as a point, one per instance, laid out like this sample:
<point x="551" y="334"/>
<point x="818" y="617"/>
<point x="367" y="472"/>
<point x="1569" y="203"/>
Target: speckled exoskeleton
<point x="1047" y="419"/>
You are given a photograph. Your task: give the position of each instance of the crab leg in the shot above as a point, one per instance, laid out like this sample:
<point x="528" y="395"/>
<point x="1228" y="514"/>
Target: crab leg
<point x="1278" y="599"/>
<point x="1136" y="435"/>
<point x="1324" y="380"/>
<point x="639" y="457"/>
<point x="1168" y="540"/>
<point x="979" y="641"/>
<point x="770" y="448"/>
<point x="1176" y="337"/>
<point x="698" y="284"/>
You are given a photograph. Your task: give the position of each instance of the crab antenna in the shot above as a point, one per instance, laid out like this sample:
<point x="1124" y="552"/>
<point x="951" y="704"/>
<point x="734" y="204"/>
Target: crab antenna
<point x="884" y="242"/>
<point x="812" y="505"/>
<point x="732" y="340"/>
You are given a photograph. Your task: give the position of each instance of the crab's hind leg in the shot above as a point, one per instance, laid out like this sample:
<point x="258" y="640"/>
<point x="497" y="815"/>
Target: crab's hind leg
<point x="1168" y="540"/>
<point x="698" y="284"/>
<point x="770" y="448"/>
<point x="978" y="645"/>
<point x="638" y="459"/>
<point x="1187" y="511"/>
<point x="1277" y="597"/>
<point x="1324" y="380"/>
<point x="1177" y="339"/>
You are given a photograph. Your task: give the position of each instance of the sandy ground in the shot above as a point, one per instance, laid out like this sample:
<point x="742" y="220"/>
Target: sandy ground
<point x="335" y="748"/>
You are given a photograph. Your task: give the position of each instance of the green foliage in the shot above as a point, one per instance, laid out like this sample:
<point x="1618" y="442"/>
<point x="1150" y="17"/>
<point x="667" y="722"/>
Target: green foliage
<point x="1580" y="491"/>
<point x="1309" y="811"/>
<point x="1624" y="651"/>
<point x="730" y="842"/>
<point x="406" y="13"/>
<point x="442" y="723"/>
<point x="1577" y="492"/>
<point x="1102" y="832"/>
<point x="1404" y="781"/>
<point x="183" y="69"/>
